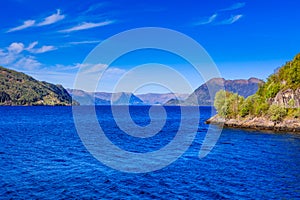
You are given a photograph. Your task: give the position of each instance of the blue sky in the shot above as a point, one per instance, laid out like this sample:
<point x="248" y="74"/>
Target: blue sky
<point x="50" y="39"/>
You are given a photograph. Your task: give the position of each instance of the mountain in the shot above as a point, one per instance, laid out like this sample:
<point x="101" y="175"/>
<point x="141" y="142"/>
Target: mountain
<point x="17" y="88"/>
<point x="104" y="98"/>
<point x="123" y="98"/>
<point x="154" y="98"/>
<point x="201" y="94"/>
<point x="243" y="87"/>
<point x="86" y="98"/>
<point x="275" y="106"/>
<point x="175" y="101"/>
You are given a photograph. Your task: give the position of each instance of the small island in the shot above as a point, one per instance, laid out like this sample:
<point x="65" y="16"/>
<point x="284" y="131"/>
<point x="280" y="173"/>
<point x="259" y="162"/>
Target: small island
<point x="275" y="106"/>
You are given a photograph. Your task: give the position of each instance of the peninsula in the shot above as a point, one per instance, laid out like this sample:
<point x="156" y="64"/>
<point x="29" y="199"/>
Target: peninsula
<point x="275" y="106"/>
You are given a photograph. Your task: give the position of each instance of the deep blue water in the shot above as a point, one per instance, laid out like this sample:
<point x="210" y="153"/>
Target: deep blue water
<point x="42" y="157"/>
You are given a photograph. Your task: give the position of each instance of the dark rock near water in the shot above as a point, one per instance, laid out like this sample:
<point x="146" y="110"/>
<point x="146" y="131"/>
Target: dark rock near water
<point x="257" y="123"/>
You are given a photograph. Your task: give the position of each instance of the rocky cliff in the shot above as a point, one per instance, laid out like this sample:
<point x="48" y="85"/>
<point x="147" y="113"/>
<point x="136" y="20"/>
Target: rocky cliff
<point x="288" y="98"/>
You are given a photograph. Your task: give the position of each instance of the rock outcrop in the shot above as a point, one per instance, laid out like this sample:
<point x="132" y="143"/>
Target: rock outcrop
<point x="287" y="98"/>
<point x="257" y="123"/>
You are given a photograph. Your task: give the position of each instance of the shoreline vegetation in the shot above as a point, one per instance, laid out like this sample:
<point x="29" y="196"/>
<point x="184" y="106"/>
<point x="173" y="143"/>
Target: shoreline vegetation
<point x="275" y="106"/>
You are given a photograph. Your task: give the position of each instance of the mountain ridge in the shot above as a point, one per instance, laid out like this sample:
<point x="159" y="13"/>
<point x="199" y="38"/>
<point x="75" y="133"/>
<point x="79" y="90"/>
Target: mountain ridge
<point x="201" y="96"/>
<point x="104" y="98"/>
<point x="17" y="88"/>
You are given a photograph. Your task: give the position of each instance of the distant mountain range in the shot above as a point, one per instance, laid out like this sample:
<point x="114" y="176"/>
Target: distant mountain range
<point x="201" y="95"/>
<point x="154" y="98"/>
<point x="104" y="98"/>
<point x="122" y="98"/>
<point x="20" y="89"/>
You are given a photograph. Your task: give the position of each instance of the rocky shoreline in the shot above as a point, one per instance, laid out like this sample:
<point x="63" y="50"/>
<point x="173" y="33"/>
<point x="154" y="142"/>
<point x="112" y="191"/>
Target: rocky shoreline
<point x="257" y="123"/>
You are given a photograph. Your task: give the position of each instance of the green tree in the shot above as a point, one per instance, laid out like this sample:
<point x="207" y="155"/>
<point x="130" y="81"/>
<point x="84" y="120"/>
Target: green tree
<point x="220" y="102"/>
<point x="277" y="113"/>
<point x="228" y="103"/>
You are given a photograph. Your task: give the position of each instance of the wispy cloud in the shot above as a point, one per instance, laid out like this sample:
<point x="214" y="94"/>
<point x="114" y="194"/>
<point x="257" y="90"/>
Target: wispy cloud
<point x="46" y="21"/>
<point x="207" y="20"/>
<point x="27" y="62"/>
<point x="16" y="47"/>
<point x="87" y="25"/>
<point x="231" y="20"/>
<point x="43" y="49"/>
<point x="67" y="73"/>
<point x="14" y="58"/>
<point x="17" y="56"/>
<point x="219" y="15"/>
<point x="32" y="45"/>
<point x="95" y="7"/>
<point x="52" y="19"/>
<point x="26" y="24"/>
<point x="234" y="6"/>
<point x="85" y="42"/>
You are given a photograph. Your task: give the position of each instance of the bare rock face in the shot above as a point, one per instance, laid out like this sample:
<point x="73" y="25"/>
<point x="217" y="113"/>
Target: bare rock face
<point x="287" y="98"/>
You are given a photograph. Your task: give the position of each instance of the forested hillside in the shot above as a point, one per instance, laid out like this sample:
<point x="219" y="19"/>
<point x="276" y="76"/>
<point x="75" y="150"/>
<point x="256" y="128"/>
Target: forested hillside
<point x="277" y="99"/>
<point x="20" y="89"/>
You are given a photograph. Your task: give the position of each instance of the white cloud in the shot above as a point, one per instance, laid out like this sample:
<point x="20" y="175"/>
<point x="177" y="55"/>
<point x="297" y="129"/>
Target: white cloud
<point x="7" y="57"/>
<point x="231" y="20"/>
<point x="28" y="62"/>
<point x="92" y="70"/>
<point x="207" y="20"/>
<point x="234" y="6"/>
<point x="16" y="47"/>
<point x="43" y="49"/>
<point x="26" y="24"/>
<point x="52" y="19"/>
<point x="47" y="21"/>
<point x="13" y="58"/>
<point x="87" y="25"/>
<point x="32" y="45"/>
<point x="16" y="55"/>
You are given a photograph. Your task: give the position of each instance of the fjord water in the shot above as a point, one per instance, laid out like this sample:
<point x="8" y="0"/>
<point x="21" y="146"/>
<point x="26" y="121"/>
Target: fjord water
<point x="42" y="156"/>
